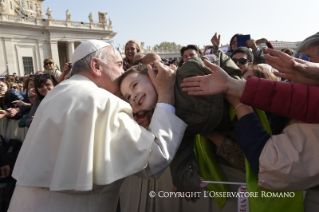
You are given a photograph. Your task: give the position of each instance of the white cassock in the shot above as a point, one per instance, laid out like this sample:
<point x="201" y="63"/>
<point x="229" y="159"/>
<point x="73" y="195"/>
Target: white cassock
<point x="81" y="145"/>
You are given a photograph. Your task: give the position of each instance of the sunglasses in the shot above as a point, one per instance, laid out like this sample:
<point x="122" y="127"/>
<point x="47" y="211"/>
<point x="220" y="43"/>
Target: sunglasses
<point x="42" y="75"/>
<point x="49" y="63"/>
<point x="301" y="56"/>
<point x="142" y="113"/>
<point x="241" y="60"/>
<point x="14" y="87"/>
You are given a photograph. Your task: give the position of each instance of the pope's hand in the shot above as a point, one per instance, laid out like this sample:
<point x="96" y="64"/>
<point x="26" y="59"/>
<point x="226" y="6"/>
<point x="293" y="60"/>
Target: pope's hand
<point x="163" y="82"/>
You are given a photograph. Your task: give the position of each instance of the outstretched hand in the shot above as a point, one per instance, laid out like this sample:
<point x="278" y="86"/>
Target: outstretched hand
<point x="211" y="84"/>
<point x="291" y="68"/>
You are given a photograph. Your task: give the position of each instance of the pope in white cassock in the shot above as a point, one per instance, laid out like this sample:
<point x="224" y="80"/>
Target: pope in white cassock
<point x="83" y="140"/>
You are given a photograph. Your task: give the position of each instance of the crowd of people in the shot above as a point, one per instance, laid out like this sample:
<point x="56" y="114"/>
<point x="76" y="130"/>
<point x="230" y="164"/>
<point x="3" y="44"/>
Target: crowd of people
<point x="94" y="136"/>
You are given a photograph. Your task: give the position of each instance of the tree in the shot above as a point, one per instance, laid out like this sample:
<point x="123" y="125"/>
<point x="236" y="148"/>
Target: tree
<point x="168" y="46"/>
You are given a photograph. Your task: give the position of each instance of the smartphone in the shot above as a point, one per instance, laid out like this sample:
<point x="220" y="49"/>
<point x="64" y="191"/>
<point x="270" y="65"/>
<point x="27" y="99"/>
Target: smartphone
<point x="241" y="40"/>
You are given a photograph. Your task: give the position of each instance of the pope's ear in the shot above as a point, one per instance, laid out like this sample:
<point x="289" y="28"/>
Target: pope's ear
<point x="95" y="65"/>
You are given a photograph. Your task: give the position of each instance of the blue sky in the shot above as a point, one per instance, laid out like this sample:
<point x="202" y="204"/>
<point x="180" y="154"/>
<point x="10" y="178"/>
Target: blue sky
<point x="194" y="22"/>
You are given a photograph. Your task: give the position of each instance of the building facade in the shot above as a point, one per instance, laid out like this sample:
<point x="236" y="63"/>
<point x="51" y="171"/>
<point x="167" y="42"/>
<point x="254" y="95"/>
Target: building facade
<point x="27" y="37"/>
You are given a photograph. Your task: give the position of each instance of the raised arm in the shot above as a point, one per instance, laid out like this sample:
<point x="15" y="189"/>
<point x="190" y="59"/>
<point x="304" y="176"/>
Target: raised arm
<point x="293" y="69"/>
<point x="291" y="100"/>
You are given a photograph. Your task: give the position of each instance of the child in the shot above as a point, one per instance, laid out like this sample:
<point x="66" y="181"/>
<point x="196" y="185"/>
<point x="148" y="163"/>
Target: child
<point x="138" y="90"/>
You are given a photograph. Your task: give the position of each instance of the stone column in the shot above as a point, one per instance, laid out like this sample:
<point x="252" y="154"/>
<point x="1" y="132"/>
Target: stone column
<point x="9" y="55"/>
<point x="55" y="52"/>
<point x="70" y="50"/>
<point x="3" y="64"/>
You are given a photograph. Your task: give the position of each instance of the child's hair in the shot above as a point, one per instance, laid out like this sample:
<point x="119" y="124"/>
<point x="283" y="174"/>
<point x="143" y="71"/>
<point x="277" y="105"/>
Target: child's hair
<point x="140" y="69"/>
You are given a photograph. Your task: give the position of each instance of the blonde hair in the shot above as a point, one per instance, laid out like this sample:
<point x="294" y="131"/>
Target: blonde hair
<point x="263" y="72"/>
<point x="47" y="60"/>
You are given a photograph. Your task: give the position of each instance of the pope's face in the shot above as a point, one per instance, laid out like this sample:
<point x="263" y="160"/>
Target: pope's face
<point x="139" y="91"/>
<point x="112" y="70"/>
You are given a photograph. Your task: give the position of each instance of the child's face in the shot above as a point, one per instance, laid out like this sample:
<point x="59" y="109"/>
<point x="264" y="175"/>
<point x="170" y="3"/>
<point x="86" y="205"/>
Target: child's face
<point x="139" y="91"/>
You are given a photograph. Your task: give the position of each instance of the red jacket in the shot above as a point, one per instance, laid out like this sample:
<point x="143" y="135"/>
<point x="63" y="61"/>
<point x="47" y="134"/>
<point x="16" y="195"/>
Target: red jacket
<point x="295" y="101"/>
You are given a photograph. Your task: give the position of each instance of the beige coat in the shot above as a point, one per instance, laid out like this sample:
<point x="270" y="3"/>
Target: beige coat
<point x="289" y="161"/>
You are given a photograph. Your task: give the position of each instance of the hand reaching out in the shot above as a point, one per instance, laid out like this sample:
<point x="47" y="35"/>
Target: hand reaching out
<point x="211" y="84"/>
<point x="3" y="113"/>
<point x="291" y="68"/>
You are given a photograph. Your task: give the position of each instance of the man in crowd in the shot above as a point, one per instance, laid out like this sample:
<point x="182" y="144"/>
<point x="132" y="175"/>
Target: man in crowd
<point x="84" y="141"/>
<point x="243" y="57"/>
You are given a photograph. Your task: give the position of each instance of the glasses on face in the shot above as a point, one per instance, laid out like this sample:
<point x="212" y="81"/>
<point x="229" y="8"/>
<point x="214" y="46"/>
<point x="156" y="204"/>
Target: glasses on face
<point x="242" y="61"/>
<point x="42" y="75"/>
<point x="232" y="43"/>
<point x="14" y="87"/>
<point x="142" y="113"/>
<point x="49" y="63"/>
<point x="302" y="56"/>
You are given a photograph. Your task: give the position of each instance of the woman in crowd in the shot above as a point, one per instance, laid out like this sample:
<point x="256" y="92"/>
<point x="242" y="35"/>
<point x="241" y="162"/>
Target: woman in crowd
<point x="43" y="84"/>
<point x="131" y="48"/>
<point x="50" y="68"/>
<point x="28" y="83"/>
<point x="251" y="43"/>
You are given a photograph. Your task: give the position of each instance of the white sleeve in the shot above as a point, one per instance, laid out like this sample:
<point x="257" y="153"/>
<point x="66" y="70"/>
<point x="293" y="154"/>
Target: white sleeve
<point x="168" y="107"/>
<point x="168" y="130"/>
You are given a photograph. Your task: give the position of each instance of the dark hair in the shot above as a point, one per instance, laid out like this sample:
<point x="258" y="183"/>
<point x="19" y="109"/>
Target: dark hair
<point x="26" y="83"/>
<point x="141" y="69"/>
<point x="40" y="80"/>
<point x="194" y="47"/>
<point x="246" y="51"/>
<point x="231" y="40"/>
<point x="7" y="93"/>
<point x="184" y="48"/>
